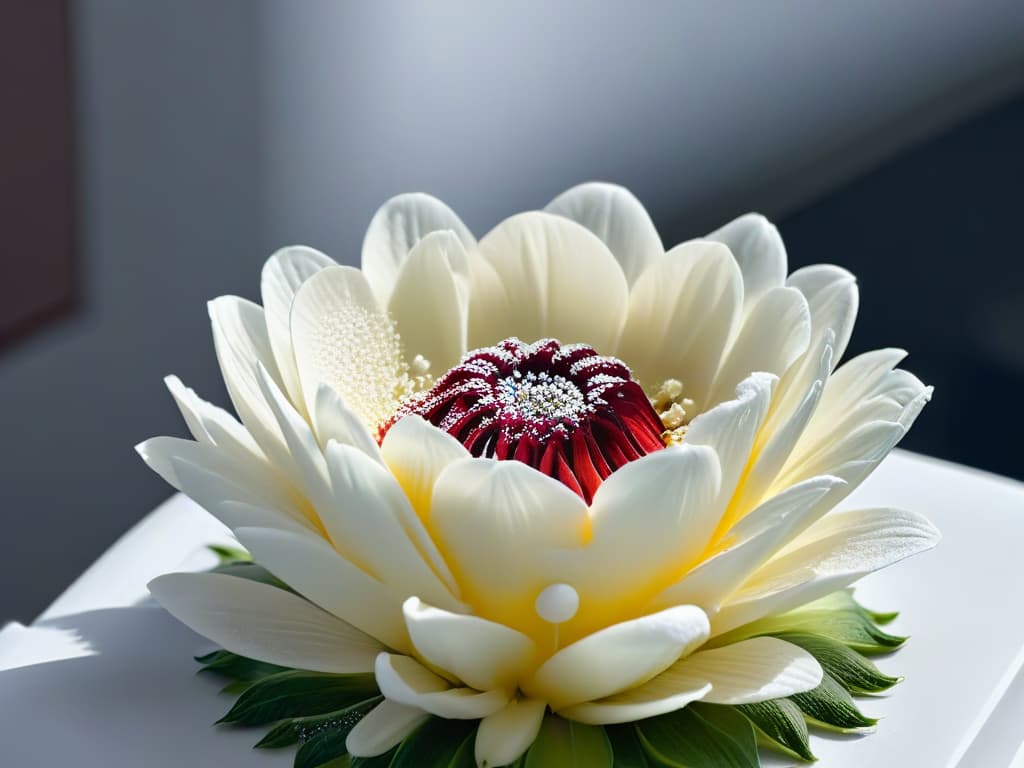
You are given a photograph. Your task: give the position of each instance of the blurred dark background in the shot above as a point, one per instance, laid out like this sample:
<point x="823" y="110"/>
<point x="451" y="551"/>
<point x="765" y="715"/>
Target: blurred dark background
<point x="883" y="137"/>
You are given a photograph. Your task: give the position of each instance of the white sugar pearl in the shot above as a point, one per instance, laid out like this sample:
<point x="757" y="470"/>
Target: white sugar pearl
<point x="557" y="603"/>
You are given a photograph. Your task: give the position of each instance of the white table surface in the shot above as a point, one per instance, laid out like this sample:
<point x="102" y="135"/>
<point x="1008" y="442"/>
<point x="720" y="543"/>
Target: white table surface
<point x="106" y="678"/>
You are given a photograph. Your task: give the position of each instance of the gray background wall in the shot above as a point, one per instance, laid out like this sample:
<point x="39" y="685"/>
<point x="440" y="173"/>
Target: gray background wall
<point x="211" y="133"/>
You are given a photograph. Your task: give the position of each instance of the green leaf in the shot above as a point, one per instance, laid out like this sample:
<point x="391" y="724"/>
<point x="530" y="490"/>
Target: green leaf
<point x="781" y="725"/>
<point x="464" y="756"/>
<point x="830" y="706"/>
<point x="434" y="744"/>
<point x="227" y="555"/>
<point x="380" y="761"/>
<point x="299" y="694"/>
<point x="237" y="667"/>
<point x="851" y="670"/>
<point x="700" y="735"/>
<point x="293" y="730"/>
<point x="327" y="745"/>
<point x="566" y="744"/>
<point x="626" y="747"/>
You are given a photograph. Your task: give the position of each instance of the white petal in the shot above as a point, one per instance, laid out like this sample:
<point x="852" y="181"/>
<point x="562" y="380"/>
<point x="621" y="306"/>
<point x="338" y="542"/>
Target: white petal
<point x="265" y="623"/>
<point x="560" y="282"/>
<point x="504" y="736"/>
<point x="500" y="524"/>
<point x="212" y="425"/>
<point x="240" y="514"/>
<point x="651" y="519"/>
<point x="406" y="681"/>
<point x="333" y="420"/>
<point x="372" y="524"/>
<point x="384" y="726"/>
<point x="430" y="301"/>
<point x="615" y="215"/>
<point x="682" y="312"/>
<point x="775" y="333"/>
<point x="750" y="671"/>
<point x="833" y="299"/>
<point x="416" y="452"/>
<point x="315" y="570"/>
<point x="282" y="275"/>
<point x="342" y="338"/>
<point x="756" y="245"/>
<point x="619" y="657"/>
<point x="240" y="338"/>
<point x="480" y="653"/>
<point x="397" y="226"/>
<point x="749" y="544"/>
<point x="831" y="554"/>
<point x="658" y="696"/>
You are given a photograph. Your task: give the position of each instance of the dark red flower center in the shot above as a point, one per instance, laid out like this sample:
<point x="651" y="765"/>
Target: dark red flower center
<point x="565" y="410"/>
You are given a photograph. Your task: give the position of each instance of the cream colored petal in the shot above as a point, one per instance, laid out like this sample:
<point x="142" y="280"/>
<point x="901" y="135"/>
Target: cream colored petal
<point x="504" y="736"/>
<point x="334" y="420"/>
<point x="430" y="301"/>
<point x="342" y="338"/>
<point x="775" y="332"/>
<point x="283" y="273"/>
<point x="240" y="338"/>
<point x="315" y="570"/>
<point x="406" y="681"/>
<point x="212" y="425"/>
<point x="756" y="245"/>
<point x="831" y="554"/>
<point x="416" y="452"/>
<point x="480" y="653"/>
<point x="265" y="623"/>
<point x="560" y="281"/>
<point x="499" y="523"/>
<point x="658" y="696"/>
<point x="730" y="429"/>
<point x="385" y="726"/>
<point x="619" y="657"/>
<point x="370" y="524"/>
<point x="682" y="311"/>
<point x="833" y="299"/>
<point x="397" y="226"/>
<point x="750" y="543"/>
<point x="241" y="514"/>
<point x="650" y="518"/>
<point x="615" y="215"/>
<point x="750" y="671"/>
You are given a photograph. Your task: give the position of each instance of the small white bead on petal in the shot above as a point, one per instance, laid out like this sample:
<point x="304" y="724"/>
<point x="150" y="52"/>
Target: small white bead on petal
<point x="557" y="603"/>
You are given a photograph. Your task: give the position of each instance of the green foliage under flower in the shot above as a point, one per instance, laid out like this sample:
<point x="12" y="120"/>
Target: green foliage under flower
<point x="316" y="710"/>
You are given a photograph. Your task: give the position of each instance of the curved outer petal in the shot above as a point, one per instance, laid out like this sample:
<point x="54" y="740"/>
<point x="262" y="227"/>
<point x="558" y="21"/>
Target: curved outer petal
<point x="430" y="301"/>
<point x="618" y="657"/>
<point x="384" y="726"/>
<point x="558" y="281"/>
<point x="615" y="215"/>
<point x="504" y="736"/>
<point x="756" y="245"/>
<point x="342" y="338"/>
<point x="501" y="525"/>
<point x="212" y="425"/>
<point x="651" y="519"/>
<point x="831" y="554"/>
<point x="682" y="312"/>
<point x="416" y="452"/>
<point x="372" y="524"/>
<point x="282" y="275"/>
<point x="397" y="226"/>
<point x="481" y="653"/>
<point x="315" y="570"/>
<point x="265" y="623"/>
<point x="750" y="671"/>
<point x="334" y="420"/>
<point x="406" y="681"/>
<point x="657" y="696"/>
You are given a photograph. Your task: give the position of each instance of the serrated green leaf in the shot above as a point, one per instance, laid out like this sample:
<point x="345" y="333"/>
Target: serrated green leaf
<point x="434" y="744"/>
<point x="626" y="748"/>
<point x="564" y="743"/>
<point x="293" y="730"/>
<point x="227" y="555"/>
<point x="322" y="749"/>
<point x="700" y="735"/>
<point x="830" y="706"/>
<point x="237" y="667"/>
<point x="781" y="725"/>
<point x="851" y="670"/>
<point x="299" y="694"/>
